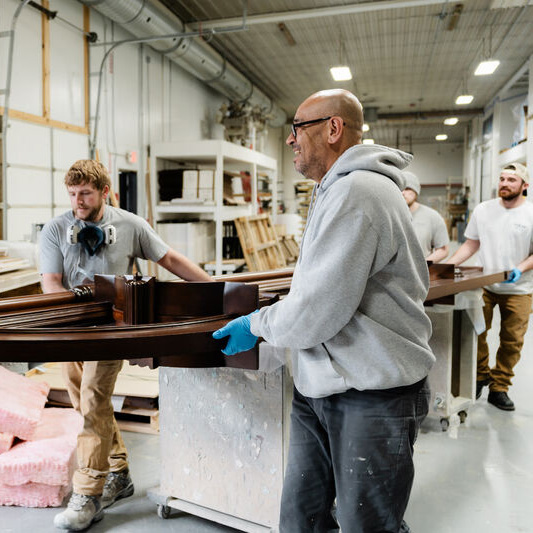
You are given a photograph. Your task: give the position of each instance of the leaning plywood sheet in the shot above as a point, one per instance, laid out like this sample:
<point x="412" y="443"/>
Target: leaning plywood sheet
<point x="22" y="403"/>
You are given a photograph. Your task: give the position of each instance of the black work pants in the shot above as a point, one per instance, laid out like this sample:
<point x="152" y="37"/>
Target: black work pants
<point x="356" y="447"/>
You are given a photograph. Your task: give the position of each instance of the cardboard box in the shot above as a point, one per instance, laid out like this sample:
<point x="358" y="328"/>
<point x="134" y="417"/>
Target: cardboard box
<point x="205" y="194"/>
<point x="190" y="179"/>
<point x="190" y="194"/>
<point x="206" y="179"/>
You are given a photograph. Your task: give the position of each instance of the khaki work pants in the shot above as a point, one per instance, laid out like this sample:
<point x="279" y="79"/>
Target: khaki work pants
<point x="514" y="311"/>
<point x="100" y="447"/>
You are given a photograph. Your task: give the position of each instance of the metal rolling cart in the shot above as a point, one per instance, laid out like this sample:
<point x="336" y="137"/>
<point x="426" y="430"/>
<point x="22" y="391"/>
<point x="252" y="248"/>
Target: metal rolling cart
<point x="452" y="378"/>
<point x="454" y="305"/>
<point x="224" y="439"/>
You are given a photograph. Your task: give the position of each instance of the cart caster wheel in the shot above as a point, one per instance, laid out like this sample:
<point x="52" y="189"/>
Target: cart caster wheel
<point x="163" y="511"/>
<point x="444" y="424"/>
<point x="462" y="416"/>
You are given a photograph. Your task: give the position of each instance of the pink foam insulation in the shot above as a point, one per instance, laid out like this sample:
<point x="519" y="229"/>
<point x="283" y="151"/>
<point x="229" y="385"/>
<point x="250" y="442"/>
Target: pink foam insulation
<point x="6" y="441"/>
<point x="22" y="403"/>
<point x="33" y="495"/>
<point x="38" y="472"/>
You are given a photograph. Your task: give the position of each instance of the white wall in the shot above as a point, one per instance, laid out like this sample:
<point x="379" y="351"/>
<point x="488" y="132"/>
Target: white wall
<point x="145" y="98"/>
<point x="435" y="163"/>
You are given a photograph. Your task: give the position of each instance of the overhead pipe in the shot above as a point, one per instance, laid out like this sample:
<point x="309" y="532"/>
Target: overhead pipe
<point x="321" y="12"/>
<point x="144" y="19"/>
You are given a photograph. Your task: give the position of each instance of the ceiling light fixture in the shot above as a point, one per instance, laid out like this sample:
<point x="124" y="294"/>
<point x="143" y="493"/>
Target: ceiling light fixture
<point x="464" y="99"/>
<point x="366" y="127"/>
<point x="368" y="141"/>
<point x="488" y="64"/>
<point x="441" y="137"/>
<point x="486" y="67"/>
<point x="341" y="73"/>
<point x="451" y="121"/>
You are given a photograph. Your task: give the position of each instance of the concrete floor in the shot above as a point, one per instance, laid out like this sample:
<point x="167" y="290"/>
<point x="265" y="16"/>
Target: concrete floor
<point x="476" y="477"/>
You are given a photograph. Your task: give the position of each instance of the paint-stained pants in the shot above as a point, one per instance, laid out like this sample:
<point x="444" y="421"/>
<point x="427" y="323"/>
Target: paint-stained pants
<point x="356" y="447"/>
<point x="100" y="447"/>
<point x="514" y="312"/>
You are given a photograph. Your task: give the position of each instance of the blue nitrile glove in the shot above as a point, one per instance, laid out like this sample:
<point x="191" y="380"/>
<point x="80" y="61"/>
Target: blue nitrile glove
<point x="240" y="337"/>
<point x="514" y="276"/>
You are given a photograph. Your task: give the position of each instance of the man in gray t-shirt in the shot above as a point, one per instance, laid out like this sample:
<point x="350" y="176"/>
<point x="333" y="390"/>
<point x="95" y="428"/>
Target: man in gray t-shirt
<point x="430" y="227"/>
<point x="95" y="238"/>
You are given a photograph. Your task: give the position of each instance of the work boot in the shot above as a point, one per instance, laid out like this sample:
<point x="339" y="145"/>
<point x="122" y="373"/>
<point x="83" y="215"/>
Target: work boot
<point x="480" y="385"/>
<point x="80" y="513"/>
<point x="118" y="485"/>
<point x="500" y="400"/>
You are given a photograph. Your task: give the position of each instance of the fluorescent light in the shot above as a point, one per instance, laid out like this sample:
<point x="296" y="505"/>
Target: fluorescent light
<point x="464" y="99"/>
<point x="366" y="127"/>
<point x="452" y="121"/>
<point x="341" y="73"/>
<point x="368" y="141"/>
<point x="441" y="137"/>
<point x="486" y="67"/>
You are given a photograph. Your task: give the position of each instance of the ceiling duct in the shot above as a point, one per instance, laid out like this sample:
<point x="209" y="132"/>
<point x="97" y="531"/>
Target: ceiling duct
<point x="143" y="19"/>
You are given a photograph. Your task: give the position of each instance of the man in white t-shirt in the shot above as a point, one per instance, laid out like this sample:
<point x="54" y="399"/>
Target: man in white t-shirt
<point x="502" y="230"/>
<point x="430" y="227"/>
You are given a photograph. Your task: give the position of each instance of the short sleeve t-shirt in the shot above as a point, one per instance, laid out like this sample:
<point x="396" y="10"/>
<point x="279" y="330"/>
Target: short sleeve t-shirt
<point x="430" y="229"/>
<point x="135" y="238"/>
<point x="506" y="239"/>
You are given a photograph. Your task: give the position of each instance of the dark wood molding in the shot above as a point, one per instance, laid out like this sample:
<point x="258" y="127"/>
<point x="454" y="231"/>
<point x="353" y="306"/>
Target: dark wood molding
<point x="164" y="323"/>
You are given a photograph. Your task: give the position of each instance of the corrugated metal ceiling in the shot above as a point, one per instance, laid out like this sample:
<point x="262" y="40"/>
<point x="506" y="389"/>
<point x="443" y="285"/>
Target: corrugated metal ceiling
<point x="404" y="59"/>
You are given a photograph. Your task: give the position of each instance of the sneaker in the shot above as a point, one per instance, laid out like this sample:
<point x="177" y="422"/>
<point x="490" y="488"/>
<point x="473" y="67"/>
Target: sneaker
<point x="80" y="513"/>
<point x="479" y="387"/>
<point x="118" y="485"/>
<point x="500" y="400"/>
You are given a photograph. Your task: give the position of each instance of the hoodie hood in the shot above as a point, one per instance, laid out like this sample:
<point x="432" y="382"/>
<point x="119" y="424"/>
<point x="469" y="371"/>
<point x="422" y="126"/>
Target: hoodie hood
<point x="383" y="160"/>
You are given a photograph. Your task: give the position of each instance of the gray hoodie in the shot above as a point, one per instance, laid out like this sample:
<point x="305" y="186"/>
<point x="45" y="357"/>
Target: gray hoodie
<point x="354" y="317"/>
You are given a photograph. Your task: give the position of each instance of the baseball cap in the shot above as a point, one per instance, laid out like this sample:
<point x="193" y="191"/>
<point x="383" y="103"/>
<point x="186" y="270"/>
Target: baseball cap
<point x="518" y="169"/>
<point x="411" y="182"/>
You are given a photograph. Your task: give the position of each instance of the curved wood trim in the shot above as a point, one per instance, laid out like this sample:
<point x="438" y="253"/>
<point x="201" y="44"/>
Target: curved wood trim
<point x="189" y="343"/>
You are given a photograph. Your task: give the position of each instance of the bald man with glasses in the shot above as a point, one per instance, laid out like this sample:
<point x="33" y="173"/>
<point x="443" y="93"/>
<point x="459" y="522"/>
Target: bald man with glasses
<point x="355" y="323"/>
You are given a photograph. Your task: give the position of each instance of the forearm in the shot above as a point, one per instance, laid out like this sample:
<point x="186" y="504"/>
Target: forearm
<point x="526" y="264"/>
<point x="183" y="267"/>
<point x="438" y="254"/>
<point x="465" y="251"/>
<point x="52" y="283"/>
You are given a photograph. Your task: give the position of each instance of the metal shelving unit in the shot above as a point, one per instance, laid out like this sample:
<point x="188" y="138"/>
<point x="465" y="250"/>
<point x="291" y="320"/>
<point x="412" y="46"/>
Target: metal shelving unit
<point x="222" y="156"/>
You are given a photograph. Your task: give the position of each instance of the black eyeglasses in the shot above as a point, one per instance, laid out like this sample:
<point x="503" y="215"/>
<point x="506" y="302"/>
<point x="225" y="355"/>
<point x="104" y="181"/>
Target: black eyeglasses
<point x="306" y="123"/>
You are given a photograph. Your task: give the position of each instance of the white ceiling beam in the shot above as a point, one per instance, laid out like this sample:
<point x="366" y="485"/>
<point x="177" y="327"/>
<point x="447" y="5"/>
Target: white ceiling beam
<point x="285" y="16"/>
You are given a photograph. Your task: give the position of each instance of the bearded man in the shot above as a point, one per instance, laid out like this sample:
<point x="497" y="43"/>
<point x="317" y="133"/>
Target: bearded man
<point x="95" y="238"/>
<point x="502" y="230"/>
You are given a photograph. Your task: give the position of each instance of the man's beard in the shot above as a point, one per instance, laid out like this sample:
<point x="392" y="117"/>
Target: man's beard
<point x="93" y="214"/>
<point x="508" y="195"/>
<point x="313" y="168"/>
